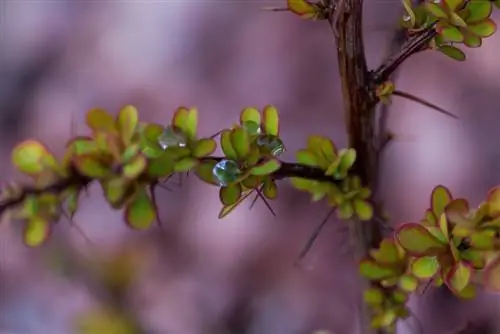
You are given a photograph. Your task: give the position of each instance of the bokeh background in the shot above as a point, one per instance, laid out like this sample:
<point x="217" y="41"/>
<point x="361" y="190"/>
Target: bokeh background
<point x="202" y="275"/>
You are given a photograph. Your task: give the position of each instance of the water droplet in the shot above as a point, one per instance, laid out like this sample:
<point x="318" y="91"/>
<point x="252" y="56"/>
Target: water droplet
<point x="226" y="172"/>
<point x="406" y="18"/>
<point x="272" y="143"/>
<point x="251" y="127"/>
<point x="437" y="1"/>
<point x="172" y="137"/>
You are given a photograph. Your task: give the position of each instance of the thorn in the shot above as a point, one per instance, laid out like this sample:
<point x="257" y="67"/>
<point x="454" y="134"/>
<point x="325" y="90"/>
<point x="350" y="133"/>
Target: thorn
<point x="423" y="102"/>
<point x="216" y="134"/>
<point x="72" y="223"/>
<point x="276" y="9"/>
<point x="254" y="201"/>
<point x="313" y="237"/>
<point x="259" y="193"/>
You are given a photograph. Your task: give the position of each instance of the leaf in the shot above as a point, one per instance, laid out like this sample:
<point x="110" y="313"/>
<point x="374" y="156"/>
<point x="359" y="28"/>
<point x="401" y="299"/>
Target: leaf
<point x="27" y="157"/>
<point x="204" y="171"/>
<point x="302" y="8"/>
<point x="449" y="33"/>
<point x="472" y="41"/>
<point x="492" y="275"/>
<point x="36" y="232"/>
<point x="452" y="52"/>
<point x="483" y="29"/>
<point x="348" y="159"/>
<point x="469" y="292"/>
<point x="229" y="195"/>
<point x="440" y="198"/>
<point x="270" y="189"/>
<point x="227" y="146"/>
<point x="140" y="213"/>
<point x="483" y="239"/>
<point x="204" y="147"/>
<point x="100" y="120"/>
<point x="458" y="276"/>
<point x="493" y="200"/>
<point x="270" y="120"/>
<point x="363" y="209"/>
<point x="302" y="184"/>
<point x="126" y="123"/>
<point x="373" y="296"/>
<point x="160" y="166"/>
<point x="115" y="190"/>
<point x="478" y="11"/>
<point x="307" y="158"/>
<point x="90" y="166"/>
<point x="409" y="11"/>
<point x="240" y="141"/>
<point x="345" y="211"/>
<point x="187" y="121"/>
<point x="425" y="267"/>
<point x="250" y="115"/>
<point x="387" y="253"/>
<point x="408" y="283"/>
<point x="376" y="271"/>
<point x="418" y="241"/>
<point x="228" y="209"/>
<point x="135" y="167"/>
<point x="436" y="10"/>
<point x="453" y="5"/>
<point x="266" y="167"/>
<point x="185" y="164"/>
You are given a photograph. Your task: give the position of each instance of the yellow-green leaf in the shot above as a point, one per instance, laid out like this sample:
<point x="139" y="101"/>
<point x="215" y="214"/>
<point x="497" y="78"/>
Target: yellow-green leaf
<point x="458" y="276"/>
<point x="100" y="120"/>
<point x="363" y="209"/>
<point x="229" y="195"/>
<point x="126" y="122"/>
<point x="270" y="120"/>
<point x="36" y="232"/>
<point x="250" y="115"/>
<point x="135" y="167"/>
<point x="440" y="198"/>
<point x="376" y="271"/>
<point x="267" y="167"/>
<point x="270" y="189"/>
<point x="227" y="146"/>
<point x="187" y="121"/>
<point x="307" y="158"/>
<point x="27" y="157"/>
<point x="204" y="171"/>
<point x="204" y="147"/>
<point x="229" y="208"/>
<point x="90" y="166"/>
<point x="115" y="190"/>
<point x="185" y="164"/>
<point x="425" y="267"/>
<point x="240" y="141"/>
<point x="141" y="212"/>
<point x="418" y="241"/>
<point x="408" y="283"/>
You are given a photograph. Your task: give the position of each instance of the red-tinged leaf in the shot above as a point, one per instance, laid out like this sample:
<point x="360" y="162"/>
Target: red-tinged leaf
<point x="270" y="120"/>
<point x="492" y="275"/>
<point x="126" y="122"/>
<point x="89" y="165"/>
<point x="375" y="271"/>
<point x="418" y="241"/>
<point x="458" y="277"/>
<point x="187" y="121"/>
<point x="483" y="29"/>
<point x="440" y="198"/>
<point x="28" y="155"/>
<point x="100" y="120"/>
<point x="36" y="232"/>
<point x="141" y="212"/>
<point x="266" y="167"/>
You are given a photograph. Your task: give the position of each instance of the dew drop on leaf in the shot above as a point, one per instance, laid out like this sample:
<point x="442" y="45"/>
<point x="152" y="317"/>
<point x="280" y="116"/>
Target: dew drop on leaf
<point x="251" y="127"/>
<point x="172" y="137"/>
<point x="272" y="143"/>
<point x="406" y="18"/>
<point x="226" y="172"/>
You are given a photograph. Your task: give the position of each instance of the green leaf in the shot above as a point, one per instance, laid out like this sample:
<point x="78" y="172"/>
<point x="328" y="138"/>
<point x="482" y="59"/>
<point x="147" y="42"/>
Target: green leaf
<point x="408" y="283"/>
<point x="229" y="208"/>
<point x="141" y="212"/>
<point x="266" y="167"/>
<point x="472" y="41"/>
<point x="185" y="164"/>
<point x="453" y="5"/>
<point x="135" y="167"/>
<point x="204" y="147"/>
<point x="302" y="184"/>
<point x="440" y="198"/>
<point x="28" y="155"/>
<point x="449" y="33"/>
<point x="425" y="267"/>
<point x="115" y="190"/>
<point x="469" y="292"/>
<point x="204" y="171"/>
<point x="436" y="10"/>
<point x="373" y="296"/>
<point x="457" y="20"/>
<point x="36" y="232"/>
<point x="387" y="253"/>
<point x="493" y="200"/>
<point x="227" y="146"/>
<point x="302" y="8"/>
<point x="250" y="115"/>
<point x="363" y="209"/>
<point x="229" y="195"/>
<point x="126" y="122"/>
<point x="187" y="121"/>
<point x="483" y="29"/>
<point x="270" y="120"/>
<point x="90" y="166"/>
<point x="270" y="189"/>
<point x="160" y="166"/>
<point x="345" y="211"/>
<point x="452" y="52"/>
<point x="100" y="120"/>
<point x="307" y="158"/>
<point x="81" y="145"/>
<point x="348" y="159"/>
<point x="240" y="141"/>
<point x="478" y="11"/>
<point x="376" y="271"/>
<point x="418" y="241"/>
<point x="458" y="276"/>
<point x="492" y="275"/>
<point x="483" y="239"/>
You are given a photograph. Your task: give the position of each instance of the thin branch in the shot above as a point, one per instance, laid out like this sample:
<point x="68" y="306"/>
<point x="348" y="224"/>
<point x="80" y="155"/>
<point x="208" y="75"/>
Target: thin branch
<point x="417" y="99"/>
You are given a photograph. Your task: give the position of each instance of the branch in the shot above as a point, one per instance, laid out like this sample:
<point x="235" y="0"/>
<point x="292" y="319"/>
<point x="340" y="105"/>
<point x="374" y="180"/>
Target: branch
<point x="286" y="170"/>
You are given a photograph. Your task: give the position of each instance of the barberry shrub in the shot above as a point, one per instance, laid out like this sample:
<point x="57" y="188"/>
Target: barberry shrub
<point x="453" y="244"/>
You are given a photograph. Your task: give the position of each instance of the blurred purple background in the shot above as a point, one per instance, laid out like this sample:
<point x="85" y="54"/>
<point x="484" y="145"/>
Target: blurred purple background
<point x="203" y="275"/>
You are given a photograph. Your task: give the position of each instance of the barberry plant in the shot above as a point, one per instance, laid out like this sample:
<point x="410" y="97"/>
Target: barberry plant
<point x="454" y="244"/>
